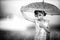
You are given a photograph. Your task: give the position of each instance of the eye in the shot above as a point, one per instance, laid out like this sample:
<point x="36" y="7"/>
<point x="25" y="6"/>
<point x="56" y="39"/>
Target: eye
<point x="39" y="15"/>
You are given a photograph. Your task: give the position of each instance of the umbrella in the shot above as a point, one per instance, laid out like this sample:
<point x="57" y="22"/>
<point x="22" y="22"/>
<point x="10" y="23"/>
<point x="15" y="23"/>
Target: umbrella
<point x="50" y="9"/>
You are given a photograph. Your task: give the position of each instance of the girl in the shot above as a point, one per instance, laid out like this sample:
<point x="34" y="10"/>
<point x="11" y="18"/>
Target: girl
<point x="40" y="23"/>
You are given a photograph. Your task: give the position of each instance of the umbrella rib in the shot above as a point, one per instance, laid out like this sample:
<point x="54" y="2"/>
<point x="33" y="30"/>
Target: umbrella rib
<point x="43" y="5"/>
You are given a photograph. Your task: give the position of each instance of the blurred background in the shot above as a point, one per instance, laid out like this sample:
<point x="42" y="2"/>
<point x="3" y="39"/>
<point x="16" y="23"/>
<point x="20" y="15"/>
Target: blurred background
<point x="13" y="24"/>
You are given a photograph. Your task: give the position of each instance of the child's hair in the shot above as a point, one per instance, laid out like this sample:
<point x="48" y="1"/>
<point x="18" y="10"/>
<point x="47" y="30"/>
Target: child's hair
<point x="37" y="11"/>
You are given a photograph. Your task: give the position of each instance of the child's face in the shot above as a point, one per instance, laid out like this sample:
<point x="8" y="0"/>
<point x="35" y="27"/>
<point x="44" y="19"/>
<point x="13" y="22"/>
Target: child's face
<point x="40" y="15"/>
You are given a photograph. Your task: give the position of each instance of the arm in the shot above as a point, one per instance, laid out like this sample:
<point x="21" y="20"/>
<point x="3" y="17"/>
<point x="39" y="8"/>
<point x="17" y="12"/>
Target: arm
<point x="27" y="18"/>
<point x="46" y="28"/>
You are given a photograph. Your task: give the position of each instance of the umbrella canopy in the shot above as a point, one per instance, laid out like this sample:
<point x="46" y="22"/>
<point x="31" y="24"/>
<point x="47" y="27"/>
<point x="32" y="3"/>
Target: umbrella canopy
<point x="50" y="9"/>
